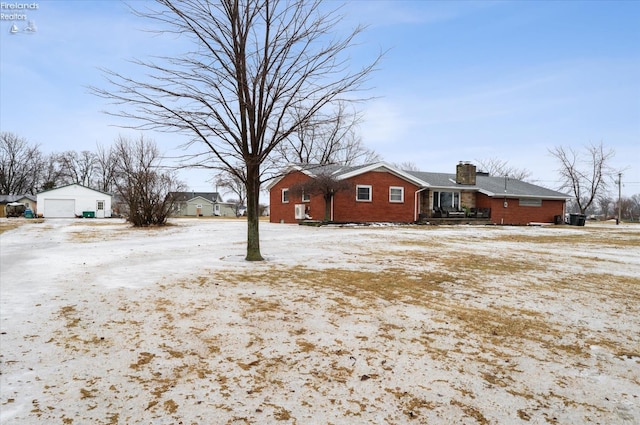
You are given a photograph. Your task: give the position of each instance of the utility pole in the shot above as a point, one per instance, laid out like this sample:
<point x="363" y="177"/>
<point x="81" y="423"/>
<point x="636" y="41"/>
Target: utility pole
<point x="619" y="198"/>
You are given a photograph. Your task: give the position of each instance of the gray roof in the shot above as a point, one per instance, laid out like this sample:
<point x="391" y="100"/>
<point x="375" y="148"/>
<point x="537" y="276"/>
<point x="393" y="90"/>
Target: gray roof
<point x="6" y="199"/>
<point x="489" y="185"/>
<point x="185" y="196"/>
<point x="496" y="186"/>
<point x="75" y="184"/>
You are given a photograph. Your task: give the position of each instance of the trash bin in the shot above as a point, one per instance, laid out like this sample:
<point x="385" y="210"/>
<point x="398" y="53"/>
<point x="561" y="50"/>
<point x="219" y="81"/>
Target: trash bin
<point x="88" y="214"/>
<point x="28" y="214"/>
<point x="557" y="219"/>
<point x="573" y="219"/>
<point x="577" y="219"/>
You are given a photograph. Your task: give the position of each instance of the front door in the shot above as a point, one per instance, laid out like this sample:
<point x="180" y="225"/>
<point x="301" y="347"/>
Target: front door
<point x="99" y="209"/>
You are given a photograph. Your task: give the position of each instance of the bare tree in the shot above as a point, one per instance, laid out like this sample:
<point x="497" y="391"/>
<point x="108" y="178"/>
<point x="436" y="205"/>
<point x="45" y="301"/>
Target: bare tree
<point x="77" y="167"/>
<point x="20" y="165"/>
<point x="142" y="182"/>
<point x="255" y="64"/>
<point x="406" y="166"/>
<point x="501" y="168"/>
<point x="106" y="163"/>
<point x="634" y="207"/>
<point x="584" y="174"/>
<point x="327" y="138"/>
<point x="325" y="184"/>
<point x="606" y="204"/>
<point x="235" y="185"/>
<point x="50" y="175"/>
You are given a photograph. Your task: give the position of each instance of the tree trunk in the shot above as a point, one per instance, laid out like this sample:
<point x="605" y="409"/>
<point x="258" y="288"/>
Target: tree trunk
<point x="253" y="213"/>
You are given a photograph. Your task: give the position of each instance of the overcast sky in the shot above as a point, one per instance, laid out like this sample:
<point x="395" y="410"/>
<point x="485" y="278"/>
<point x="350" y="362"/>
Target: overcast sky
<point x="460" y="80"/>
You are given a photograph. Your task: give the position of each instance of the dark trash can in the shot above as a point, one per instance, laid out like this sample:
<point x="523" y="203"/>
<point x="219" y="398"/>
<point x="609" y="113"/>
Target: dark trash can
<point x="28" y="214"/>
<point x="577" y="219"/>
<point x="88" y="214"/>
<point x="557" y="219"/>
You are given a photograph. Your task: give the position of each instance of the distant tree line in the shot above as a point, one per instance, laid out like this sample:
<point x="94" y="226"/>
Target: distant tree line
<point x="131" y="169"/>
<point x="25" y="169"/>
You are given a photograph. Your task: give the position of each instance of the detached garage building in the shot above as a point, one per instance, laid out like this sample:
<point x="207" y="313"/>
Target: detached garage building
<point x="72" y="201"/>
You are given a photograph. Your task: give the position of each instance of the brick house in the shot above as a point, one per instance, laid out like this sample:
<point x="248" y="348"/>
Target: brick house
<point x="380" y="192"/>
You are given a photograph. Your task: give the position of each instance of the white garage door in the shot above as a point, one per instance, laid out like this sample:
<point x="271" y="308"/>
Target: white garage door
<point x="59" y="208"/>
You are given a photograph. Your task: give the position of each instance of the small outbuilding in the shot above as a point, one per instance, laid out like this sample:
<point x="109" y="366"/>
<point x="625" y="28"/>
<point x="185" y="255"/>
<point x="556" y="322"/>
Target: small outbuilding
<point x="29" y="202"/>
<point x="74" y="200"/>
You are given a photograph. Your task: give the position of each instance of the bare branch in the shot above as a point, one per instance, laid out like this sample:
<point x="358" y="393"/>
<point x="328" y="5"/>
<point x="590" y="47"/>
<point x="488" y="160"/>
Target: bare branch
<point x="584" y="175"/>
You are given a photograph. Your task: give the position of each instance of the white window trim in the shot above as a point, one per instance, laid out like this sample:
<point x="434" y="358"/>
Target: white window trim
<point x="285" y="190"/>
<point x="401" y="189"/>
<point x="370" y="192"/>
<point x="306" y="197"/>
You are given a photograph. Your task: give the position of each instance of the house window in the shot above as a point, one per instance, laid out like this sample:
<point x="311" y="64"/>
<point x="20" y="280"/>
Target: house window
<point x="306" y="197"/>
<point x="530" y="202"/>
<point x="396" y="194"/>
<point x="285" y="196"/>
<point x="363" y="193"/>
<point x="449" y="200"/>
<point x="100" y="205"/>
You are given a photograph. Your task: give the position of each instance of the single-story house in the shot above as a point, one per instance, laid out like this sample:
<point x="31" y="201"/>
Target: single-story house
<point x="380" y="192"/>
<point x="74" y="200"/>
<point x="202" y="204"/>
<point x="29" y="201"/>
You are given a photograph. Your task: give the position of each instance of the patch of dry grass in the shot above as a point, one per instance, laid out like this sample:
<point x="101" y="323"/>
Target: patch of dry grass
<point x="11" y="224"/>
<point x="600" y="236"/>
<point x="91" y="231"/>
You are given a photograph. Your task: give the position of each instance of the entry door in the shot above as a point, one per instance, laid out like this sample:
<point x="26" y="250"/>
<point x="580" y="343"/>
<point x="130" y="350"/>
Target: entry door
<point x="100" y="209"/>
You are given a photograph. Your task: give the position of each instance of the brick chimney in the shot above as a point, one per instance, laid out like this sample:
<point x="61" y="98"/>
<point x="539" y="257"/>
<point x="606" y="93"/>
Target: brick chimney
<point x="466" y="173"/>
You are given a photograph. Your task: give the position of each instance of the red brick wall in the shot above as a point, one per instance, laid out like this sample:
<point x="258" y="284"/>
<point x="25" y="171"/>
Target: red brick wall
<point x="286" y="212"/>
<point x="516" y="214"/>
<point x="346" y="208"/>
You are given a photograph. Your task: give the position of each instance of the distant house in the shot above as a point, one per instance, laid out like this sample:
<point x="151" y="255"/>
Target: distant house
<point x="383" y="193"/>
<point x="202" y="204"/>
<point x="29" y="201"/>
<point x="74" y="200"/>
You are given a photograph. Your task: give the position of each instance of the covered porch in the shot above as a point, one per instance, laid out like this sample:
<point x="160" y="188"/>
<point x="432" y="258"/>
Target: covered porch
<point x="449" y="206"/>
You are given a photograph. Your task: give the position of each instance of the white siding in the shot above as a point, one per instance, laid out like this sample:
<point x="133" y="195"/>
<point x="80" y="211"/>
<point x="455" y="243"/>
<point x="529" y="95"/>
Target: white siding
<point x="56" y="203"/>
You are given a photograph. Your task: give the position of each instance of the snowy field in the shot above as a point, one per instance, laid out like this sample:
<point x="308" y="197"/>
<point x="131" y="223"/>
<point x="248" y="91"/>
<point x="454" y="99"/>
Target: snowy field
<point x="105" y="324"/>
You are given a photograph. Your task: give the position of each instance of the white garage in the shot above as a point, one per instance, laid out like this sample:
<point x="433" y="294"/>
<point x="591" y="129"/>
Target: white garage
<point x="72" y="201"/>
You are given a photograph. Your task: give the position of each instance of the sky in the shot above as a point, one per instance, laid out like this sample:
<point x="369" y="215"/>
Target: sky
<point x="459" y="81"/>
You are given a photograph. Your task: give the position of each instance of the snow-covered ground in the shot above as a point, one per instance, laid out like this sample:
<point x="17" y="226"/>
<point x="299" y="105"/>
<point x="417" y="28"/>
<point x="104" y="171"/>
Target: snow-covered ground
<point x="105" y="324"/>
